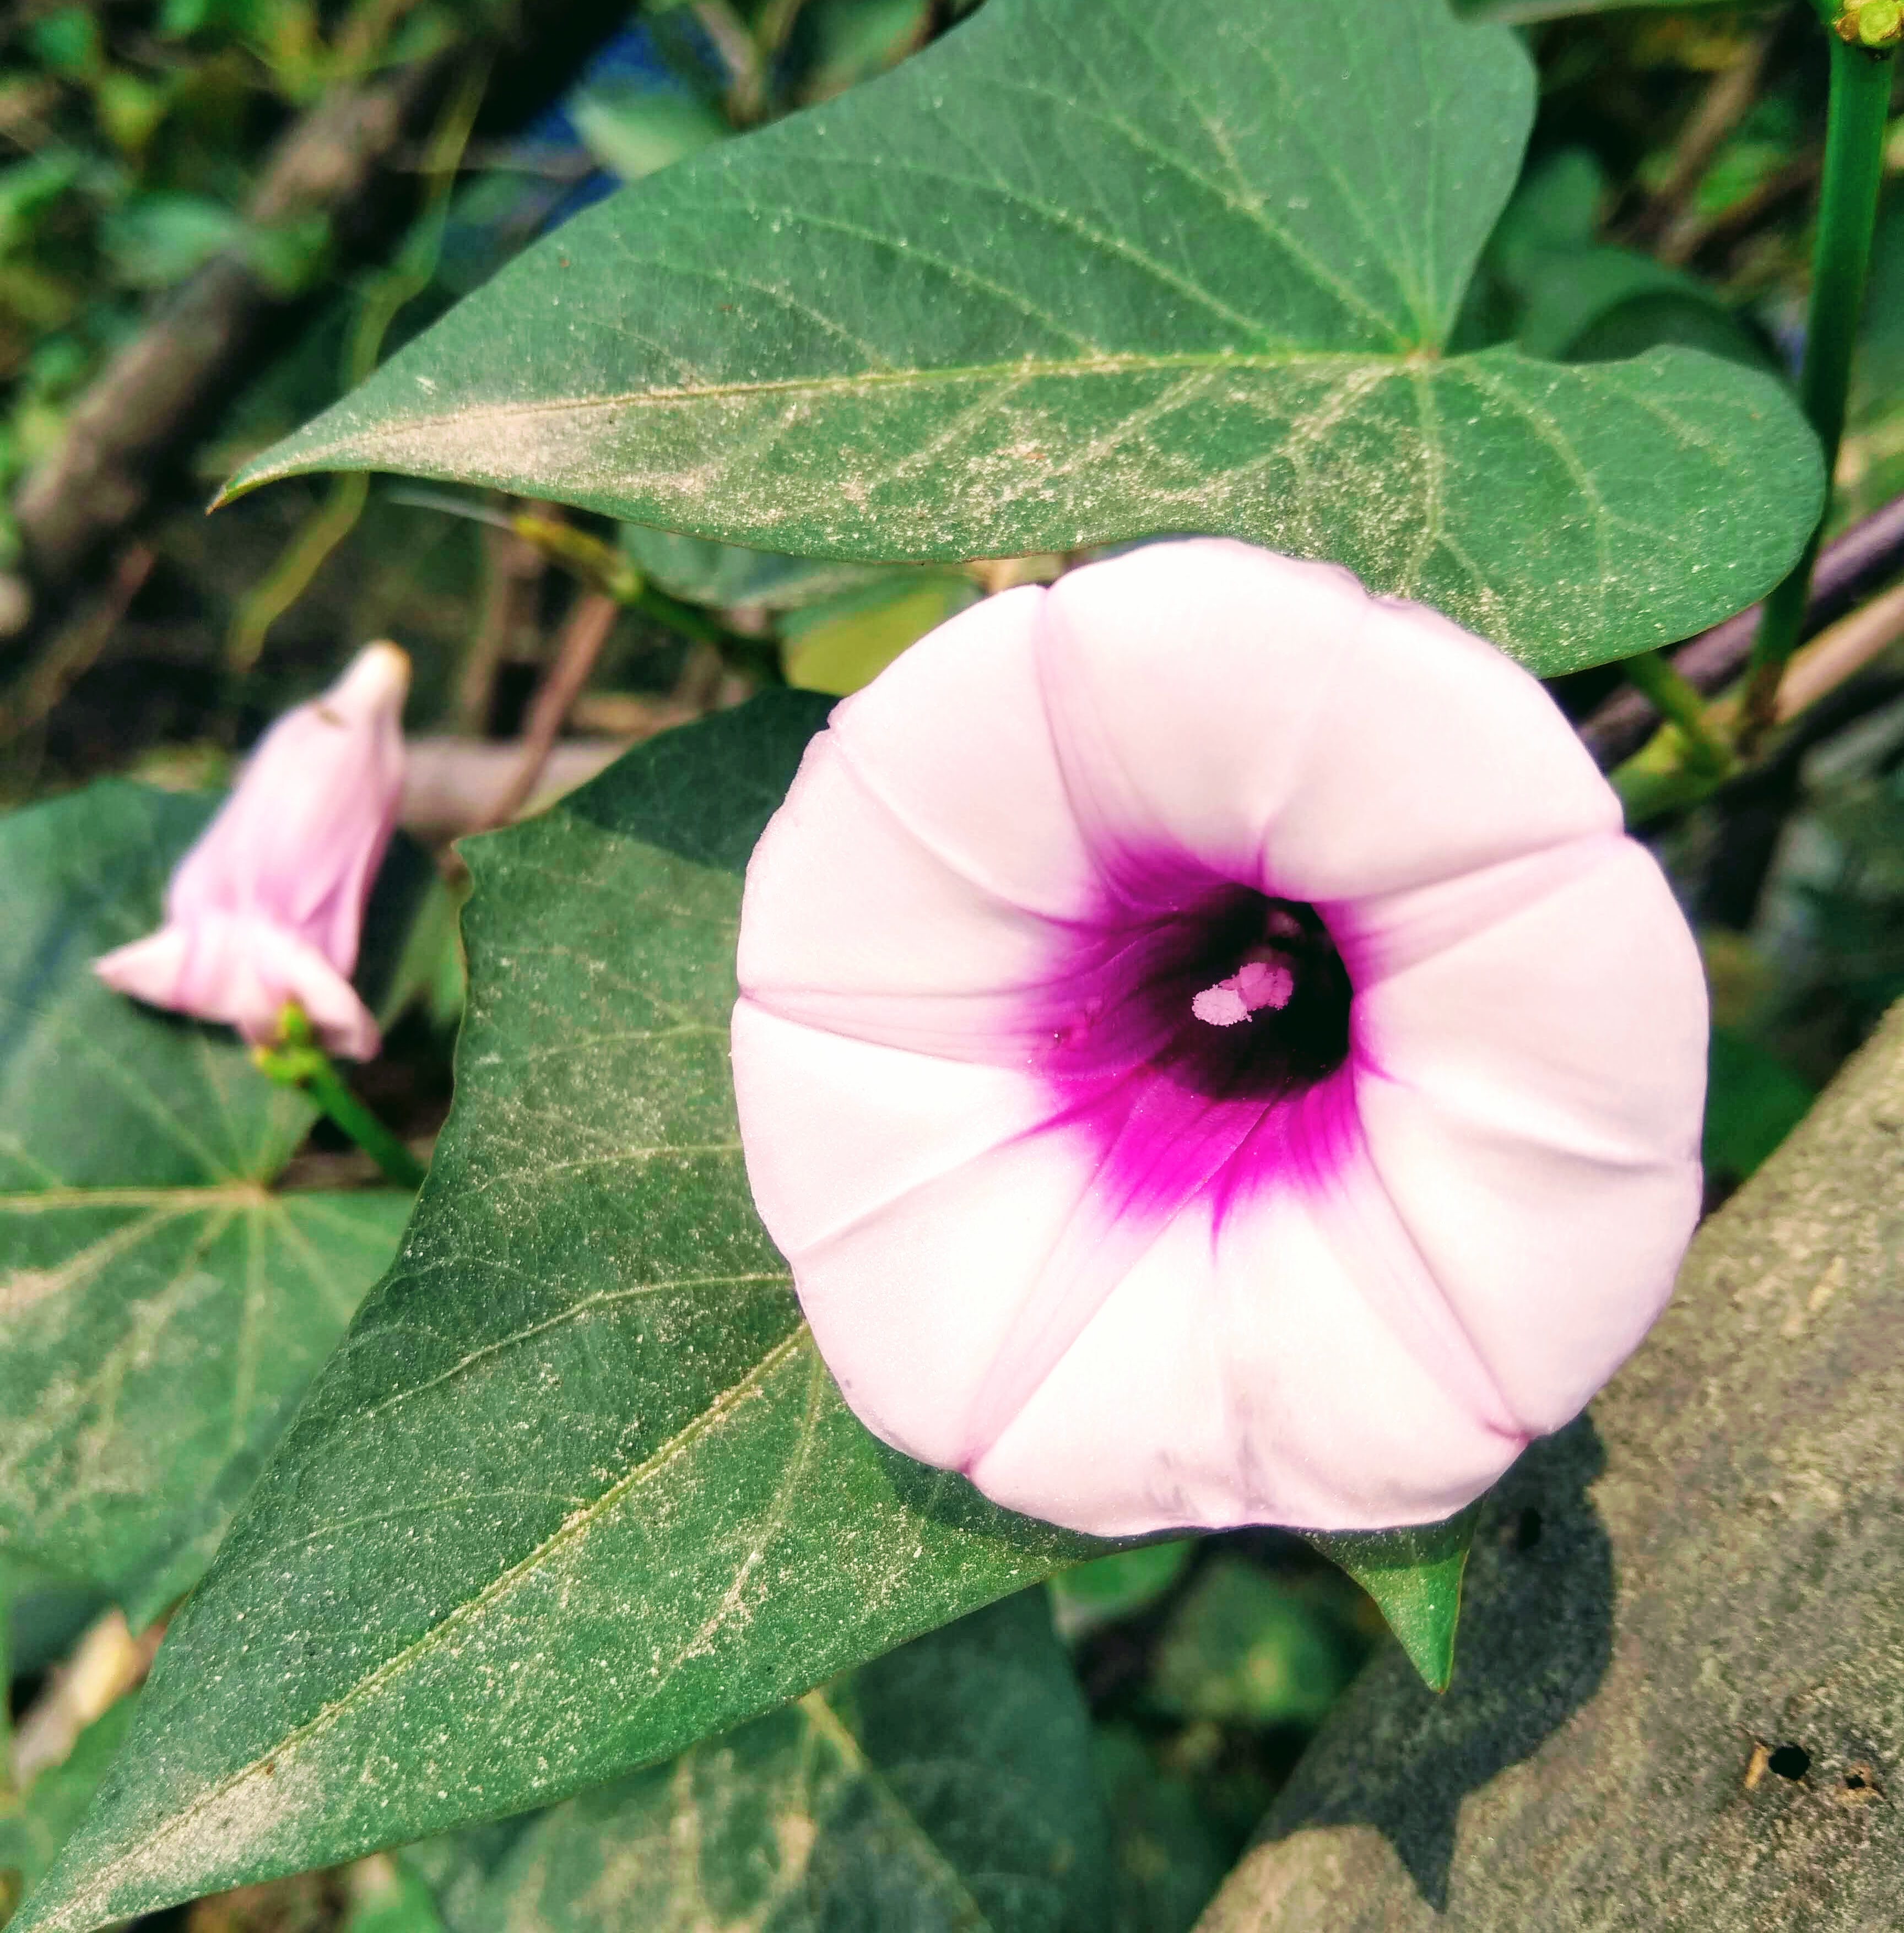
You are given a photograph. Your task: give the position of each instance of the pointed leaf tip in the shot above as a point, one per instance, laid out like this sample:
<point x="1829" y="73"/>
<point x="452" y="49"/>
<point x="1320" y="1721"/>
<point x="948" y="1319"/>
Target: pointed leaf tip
<point x="1414" y="1574"/>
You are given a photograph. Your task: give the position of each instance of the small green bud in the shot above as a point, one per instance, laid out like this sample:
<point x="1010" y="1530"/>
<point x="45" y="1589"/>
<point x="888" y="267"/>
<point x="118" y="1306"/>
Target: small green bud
<point x="1877" y="25"/>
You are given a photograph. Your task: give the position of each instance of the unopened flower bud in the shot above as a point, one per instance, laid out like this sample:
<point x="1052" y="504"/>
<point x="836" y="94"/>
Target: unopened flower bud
<point x="267" y="909"/>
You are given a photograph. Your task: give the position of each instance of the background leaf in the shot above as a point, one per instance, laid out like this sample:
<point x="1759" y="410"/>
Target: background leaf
<point x="707" y="572"/>
<point x="160" y="1311"/>
<point x="1091" y="270"/>
<point x="1530" y="13"/>
<point x="949" y="1785"/>
<point x="35" y="1824"/>
<point x="1089" y="1595"/>
<point x="166" y="1103"/>
<point x="1170" y="1857"/>
<point x="576" y="1491"/>
<point x="846" y="642"/>
<point x="1753" y="1101"/>
<point x="1243" y="1646"/>
<point x="1571" y="296"/>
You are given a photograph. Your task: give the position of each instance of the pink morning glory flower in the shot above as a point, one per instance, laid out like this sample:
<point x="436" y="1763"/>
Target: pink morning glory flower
<point x="1210" y="1054"/>
<point x="267" y="909"/>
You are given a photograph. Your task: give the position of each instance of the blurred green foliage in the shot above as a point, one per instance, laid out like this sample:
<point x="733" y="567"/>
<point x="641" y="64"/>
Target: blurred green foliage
<point x="1091" y="1595"/>
<point x="1242" y="1646"/>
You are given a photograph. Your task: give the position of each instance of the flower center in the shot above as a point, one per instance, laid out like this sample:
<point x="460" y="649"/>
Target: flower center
<point x="1258" y="997"/>
<point x="1228" y="995"/>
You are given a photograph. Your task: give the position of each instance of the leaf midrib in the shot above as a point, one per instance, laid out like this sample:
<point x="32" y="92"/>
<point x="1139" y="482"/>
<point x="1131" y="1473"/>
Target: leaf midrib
<point x="77" y="1905"/>
<point x="178" y="1200"/>
<point x="1111" y="363"/>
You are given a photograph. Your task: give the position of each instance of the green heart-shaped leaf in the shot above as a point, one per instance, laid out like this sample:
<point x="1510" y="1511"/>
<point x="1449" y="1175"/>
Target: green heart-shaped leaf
<point x="576" y="1491"/>
<point x="161" y="1312"/>
<point x="951" y="1781"/>
<point x="1088" y="270"/>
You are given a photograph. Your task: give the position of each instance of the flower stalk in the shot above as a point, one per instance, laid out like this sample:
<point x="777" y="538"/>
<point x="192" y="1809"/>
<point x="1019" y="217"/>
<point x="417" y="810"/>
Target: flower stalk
<point x="1863" y="45"/>
<point x="1708" y="753"/>
<point x="295" y="1059"/>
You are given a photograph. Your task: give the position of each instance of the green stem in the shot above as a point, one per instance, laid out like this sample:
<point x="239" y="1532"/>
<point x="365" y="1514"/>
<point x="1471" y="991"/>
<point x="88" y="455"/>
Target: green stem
<point x="383" y="298"/>
<point x="1841" y="257"/>
<point x="761" y="656"/>
<point x="326" y="1087"/>
<point x="296" y="1060"/>
<point x="1674" y="699"/>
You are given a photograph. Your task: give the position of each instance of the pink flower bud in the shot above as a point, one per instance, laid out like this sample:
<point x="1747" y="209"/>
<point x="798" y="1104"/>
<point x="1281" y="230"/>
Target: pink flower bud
<point x="1211" y="1055"/>
<point x="267" y="909"/>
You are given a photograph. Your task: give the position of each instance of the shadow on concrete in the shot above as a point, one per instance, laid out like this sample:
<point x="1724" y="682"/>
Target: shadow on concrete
<point x="1535" y="1637"/>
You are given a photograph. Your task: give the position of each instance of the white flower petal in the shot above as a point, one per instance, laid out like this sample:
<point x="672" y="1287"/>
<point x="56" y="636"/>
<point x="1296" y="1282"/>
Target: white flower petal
<point x="1433" y="754"/>
<point x="837" y="1130"/>
<point x="912" y="1307"/>
<point x="1246" y="1377"/>
<point x="1535" y="1116"/>
<point x="982" y="788"/>
<point x="1182" y="682"/>
<point x="1268" y="715"/>
<point x="930" y="972"/>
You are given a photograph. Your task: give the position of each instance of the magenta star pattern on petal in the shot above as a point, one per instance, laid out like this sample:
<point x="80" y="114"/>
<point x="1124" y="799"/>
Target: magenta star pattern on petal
<point x="1211" y="1055"/>
<point x="267" y="908"/>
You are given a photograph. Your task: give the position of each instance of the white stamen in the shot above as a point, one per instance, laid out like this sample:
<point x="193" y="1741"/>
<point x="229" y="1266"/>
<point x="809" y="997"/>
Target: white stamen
<point x="1221" y="1006"/>
<point x="1255" y="984"/>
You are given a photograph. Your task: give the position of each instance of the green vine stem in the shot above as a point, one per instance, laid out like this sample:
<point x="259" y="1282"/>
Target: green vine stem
<point x="297" y="1061"/>
<point x="383" y="298"/>
<point x="1841" y="257"/>
<point x="1676" y="699"/>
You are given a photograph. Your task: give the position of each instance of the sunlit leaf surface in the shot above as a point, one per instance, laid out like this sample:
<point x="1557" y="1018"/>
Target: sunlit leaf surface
<point x="576" y="1491"/>
<point x="948" y="1788"/>
<point x="1090" y="269"/>
<point x="160" y="1311"/>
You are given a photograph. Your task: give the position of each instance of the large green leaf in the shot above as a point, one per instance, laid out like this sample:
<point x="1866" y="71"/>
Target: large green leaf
<point x="160" y="1311"/>
<point x="576" y="1491"/>
<point x="1090" y="269"/>
<point x="948" y="1787"/>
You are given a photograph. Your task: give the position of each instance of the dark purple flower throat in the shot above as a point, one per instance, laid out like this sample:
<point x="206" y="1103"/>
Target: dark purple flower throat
<point x="1195" y="1039"/>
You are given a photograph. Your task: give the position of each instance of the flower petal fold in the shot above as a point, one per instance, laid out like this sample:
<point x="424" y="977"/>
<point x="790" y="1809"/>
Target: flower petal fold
<point x="1551" y="1187"/>
<point x="1245" y="1375"/>
<point x="242" y="970"/>
<point x="1270" y="717"/>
